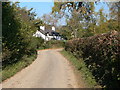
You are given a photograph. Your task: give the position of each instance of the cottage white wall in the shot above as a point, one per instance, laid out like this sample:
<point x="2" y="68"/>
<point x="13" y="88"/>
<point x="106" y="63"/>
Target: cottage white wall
<point x="47" y="38"/>
<point x="50" y="37"/>
<point x="39" y="34"/>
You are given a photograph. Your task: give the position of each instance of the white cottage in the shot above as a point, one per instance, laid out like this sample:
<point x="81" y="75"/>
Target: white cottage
<point x="48" y="34"/>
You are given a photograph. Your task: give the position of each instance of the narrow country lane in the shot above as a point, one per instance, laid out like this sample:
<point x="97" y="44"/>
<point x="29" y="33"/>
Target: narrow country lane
<point x="49" y="70"/>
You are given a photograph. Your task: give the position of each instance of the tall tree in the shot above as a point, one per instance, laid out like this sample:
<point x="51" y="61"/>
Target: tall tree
<point x="114" y="16"/>
<point x="78" y="15"/>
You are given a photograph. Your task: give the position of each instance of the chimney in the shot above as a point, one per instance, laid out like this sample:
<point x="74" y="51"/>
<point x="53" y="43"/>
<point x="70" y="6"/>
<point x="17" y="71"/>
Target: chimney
<point x="42" y="28"/>
<point x="53" y="28"/>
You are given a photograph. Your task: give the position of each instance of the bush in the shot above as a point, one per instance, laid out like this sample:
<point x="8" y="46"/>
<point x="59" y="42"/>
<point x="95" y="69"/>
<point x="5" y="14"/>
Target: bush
<point x="19" y="47"/>
<point x="17" y="34"/>
<point x="101" y="55"/>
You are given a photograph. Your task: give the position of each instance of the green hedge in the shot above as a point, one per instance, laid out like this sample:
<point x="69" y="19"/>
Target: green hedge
<point x="17" y="34"/>
<point x="101" y="53"/>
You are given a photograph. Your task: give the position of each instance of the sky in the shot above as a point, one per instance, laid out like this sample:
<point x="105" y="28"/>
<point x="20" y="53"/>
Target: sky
<point x="102" y="5"/>
<point x="42" y="8"/>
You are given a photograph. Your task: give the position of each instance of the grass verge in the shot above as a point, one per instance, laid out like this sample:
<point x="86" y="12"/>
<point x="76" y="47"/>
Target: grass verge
<point x="81" y="68"/>
<point x="11" y="70"/>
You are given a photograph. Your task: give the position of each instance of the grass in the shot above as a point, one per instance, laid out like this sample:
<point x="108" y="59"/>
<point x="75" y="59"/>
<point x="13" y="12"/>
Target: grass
<point x="11" y="70"/>
<point x="81" y="68"/>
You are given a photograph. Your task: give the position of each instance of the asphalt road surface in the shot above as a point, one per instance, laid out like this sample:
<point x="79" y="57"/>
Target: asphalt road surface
<point x="49" y="70"/>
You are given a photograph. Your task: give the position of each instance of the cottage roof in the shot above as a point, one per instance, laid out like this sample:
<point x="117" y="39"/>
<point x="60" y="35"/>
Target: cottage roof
<point x="50" y="32"/>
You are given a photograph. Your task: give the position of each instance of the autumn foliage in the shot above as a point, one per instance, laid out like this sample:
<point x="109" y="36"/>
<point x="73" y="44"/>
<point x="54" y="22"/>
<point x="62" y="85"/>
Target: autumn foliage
<point x="101" y="53"/>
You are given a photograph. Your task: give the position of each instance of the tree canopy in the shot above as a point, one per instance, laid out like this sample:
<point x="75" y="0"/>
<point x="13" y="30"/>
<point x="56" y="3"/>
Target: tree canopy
<point x="83" y="21"/>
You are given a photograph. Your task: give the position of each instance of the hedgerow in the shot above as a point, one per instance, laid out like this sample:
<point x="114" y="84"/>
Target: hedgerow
<point x="17" y="34"/>
<point x="101" y="53"/>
